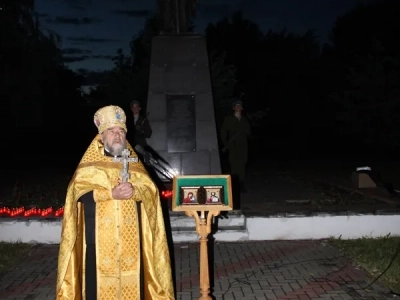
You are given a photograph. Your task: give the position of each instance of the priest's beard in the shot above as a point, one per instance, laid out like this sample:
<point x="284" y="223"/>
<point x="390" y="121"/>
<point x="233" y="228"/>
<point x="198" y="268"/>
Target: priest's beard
<point x="116" y="147"/>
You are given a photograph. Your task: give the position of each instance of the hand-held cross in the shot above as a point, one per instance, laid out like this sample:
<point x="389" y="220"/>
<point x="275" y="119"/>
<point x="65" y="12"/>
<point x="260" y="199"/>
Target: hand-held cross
<point x="125" y="164"/>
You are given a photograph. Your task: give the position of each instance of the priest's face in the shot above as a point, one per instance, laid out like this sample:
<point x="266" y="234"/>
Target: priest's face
<point x="114" y="140"/>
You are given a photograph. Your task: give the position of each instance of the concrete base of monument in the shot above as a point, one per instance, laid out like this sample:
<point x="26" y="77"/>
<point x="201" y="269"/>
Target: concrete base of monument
<point x="233" y="227"/>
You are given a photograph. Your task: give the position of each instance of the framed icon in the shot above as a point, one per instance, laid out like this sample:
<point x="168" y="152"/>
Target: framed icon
<point x="202" y="192"/>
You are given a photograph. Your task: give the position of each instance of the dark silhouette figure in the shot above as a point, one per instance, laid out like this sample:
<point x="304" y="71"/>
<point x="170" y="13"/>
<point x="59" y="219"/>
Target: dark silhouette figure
<point x="176" y="15"/>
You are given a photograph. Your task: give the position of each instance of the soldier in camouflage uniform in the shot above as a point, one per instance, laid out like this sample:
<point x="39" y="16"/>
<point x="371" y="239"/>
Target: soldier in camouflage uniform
<point x="234" y="135"/>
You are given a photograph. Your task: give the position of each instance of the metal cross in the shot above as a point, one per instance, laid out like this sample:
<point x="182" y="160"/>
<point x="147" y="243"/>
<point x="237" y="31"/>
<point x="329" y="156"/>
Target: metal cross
<point x="125" y="163"/>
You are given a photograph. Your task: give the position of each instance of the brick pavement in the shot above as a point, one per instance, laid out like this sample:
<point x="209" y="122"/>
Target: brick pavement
<point x="242" y="270"/>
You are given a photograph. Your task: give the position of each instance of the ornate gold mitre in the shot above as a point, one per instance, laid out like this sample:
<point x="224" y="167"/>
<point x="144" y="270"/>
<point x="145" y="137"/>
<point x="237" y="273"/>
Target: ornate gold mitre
<point x="109" y="116"/>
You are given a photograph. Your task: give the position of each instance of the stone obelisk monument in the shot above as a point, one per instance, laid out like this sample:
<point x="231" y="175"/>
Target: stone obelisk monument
<point x="180" y="96"/>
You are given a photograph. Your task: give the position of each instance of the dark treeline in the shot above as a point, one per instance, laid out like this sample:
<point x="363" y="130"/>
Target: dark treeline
<point x="301" y="95"/>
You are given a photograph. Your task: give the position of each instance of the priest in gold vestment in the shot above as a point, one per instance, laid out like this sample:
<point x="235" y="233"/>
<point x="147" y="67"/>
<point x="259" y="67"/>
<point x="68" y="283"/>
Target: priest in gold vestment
<point x="113" y="242"/>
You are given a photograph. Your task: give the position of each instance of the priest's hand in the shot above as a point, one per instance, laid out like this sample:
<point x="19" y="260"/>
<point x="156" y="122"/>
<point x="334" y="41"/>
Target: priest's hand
<point x="122" y="191"/>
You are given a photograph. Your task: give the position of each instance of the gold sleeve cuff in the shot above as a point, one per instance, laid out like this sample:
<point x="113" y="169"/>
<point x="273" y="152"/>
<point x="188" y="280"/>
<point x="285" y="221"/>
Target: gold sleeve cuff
<point x="101" y="195"/>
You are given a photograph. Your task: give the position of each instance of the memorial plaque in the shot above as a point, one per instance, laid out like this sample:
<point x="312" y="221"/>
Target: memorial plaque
<point x="181" y="123"/>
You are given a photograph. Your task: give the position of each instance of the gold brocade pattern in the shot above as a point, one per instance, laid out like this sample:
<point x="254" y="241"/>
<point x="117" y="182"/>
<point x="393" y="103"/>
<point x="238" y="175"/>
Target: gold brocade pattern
<point x="101" y="195"/>
<point x="117" y="236"/>
<point x="118" y="239"/>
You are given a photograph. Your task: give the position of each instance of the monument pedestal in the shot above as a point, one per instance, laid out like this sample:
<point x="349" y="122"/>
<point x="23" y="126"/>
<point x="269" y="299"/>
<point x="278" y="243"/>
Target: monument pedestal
<point x="181" y="105"/>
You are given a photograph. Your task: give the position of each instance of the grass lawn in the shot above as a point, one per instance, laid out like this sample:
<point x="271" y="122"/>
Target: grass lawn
<point x="375" y="255"/>
<point x="11" y="254"/>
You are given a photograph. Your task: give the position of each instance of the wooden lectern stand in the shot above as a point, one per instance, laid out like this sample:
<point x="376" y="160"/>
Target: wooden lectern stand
<point x="202" y="197"/>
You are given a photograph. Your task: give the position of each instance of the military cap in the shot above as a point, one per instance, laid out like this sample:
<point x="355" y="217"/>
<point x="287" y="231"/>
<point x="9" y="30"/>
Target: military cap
<point x="135" y="102"/>
<point x="236" y="102"/>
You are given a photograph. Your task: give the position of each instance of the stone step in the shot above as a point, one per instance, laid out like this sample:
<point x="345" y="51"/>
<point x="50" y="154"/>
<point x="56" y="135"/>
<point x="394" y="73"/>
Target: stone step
<point x="230" y="226"/>
<point x="230" y="221"/>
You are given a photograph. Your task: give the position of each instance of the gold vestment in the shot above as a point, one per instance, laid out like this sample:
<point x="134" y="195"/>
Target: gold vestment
<point x="117" y="234"/>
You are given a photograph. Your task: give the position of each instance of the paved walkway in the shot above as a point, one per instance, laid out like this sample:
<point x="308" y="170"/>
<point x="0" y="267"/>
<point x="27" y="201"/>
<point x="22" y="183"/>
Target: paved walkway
<point x="242" y="270"/>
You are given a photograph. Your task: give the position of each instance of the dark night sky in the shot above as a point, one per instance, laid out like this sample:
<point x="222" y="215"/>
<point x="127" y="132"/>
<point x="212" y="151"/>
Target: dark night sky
<point x="92" y="31"/>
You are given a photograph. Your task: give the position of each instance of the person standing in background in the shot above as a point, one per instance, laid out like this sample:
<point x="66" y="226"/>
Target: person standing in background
<point x="234" y="135"/>
<point x="139" y="126"/>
